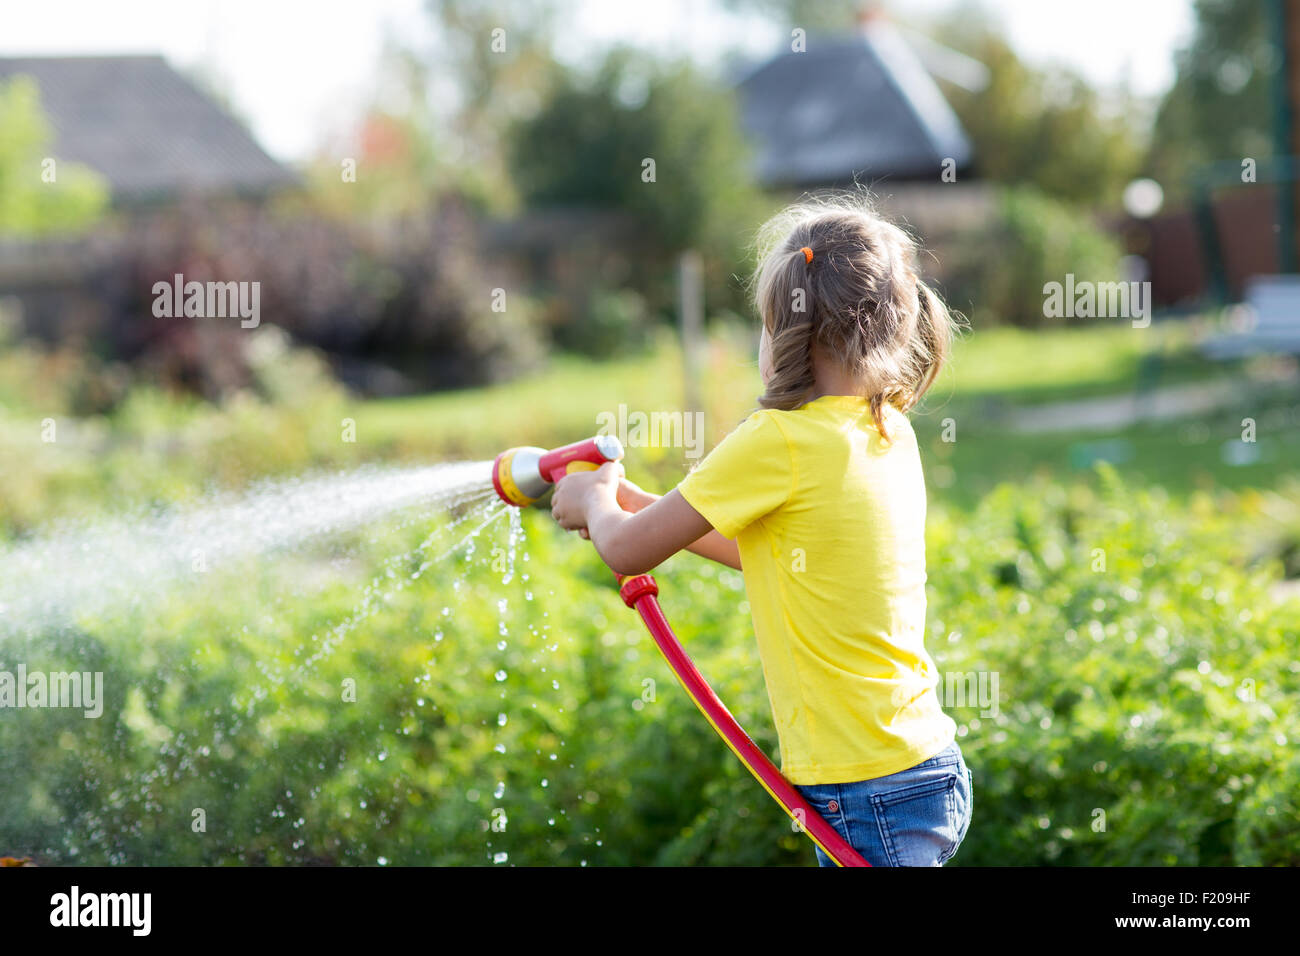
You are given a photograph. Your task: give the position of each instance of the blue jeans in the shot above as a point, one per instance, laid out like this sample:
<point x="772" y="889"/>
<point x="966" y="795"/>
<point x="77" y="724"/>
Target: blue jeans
<point x="916" y="817"/>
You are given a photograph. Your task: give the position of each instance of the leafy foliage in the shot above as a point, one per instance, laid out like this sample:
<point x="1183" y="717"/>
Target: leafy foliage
<point x="1042" y="128"/>
<point x="1221" y="106"/>
<point x="1153" y="692"/>
<point x="37" y="199"/>
<point x="590" y="143"/>
<point x="1039" y="240"/>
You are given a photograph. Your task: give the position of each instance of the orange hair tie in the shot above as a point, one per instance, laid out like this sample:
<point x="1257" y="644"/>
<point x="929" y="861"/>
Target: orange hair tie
<point x="807" y="254"/>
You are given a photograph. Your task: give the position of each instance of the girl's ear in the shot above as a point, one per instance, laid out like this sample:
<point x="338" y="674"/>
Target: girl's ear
<point x="764" y="355"/>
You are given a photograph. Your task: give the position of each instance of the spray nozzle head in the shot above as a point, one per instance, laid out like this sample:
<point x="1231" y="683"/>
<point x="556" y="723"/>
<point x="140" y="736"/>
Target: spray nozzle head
<point x="522" y="475"/>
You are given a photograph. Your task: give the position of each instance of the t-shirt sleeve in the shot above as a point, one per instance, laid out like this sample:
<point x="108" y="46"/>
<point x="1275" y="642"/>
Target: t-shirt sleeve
<point x="749" y="474"/>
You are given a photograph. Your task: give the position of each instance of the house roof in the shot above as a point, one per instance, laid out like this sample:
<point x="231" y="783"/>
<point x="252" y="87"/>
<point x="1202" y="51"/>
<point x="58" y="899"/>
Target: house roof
<point x="863" y="105"/>
<point x="146" y="128"/>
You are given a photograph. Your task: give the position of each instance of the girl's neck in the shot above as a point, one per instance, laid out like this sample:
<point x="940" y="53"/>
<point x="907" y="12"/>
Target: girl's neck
<point x="831" y="378"/>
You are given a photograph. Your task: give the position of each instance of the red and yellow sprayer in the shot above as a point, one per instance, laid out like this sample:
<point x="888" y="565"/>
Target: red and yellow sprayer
<point x="521" y="476"/>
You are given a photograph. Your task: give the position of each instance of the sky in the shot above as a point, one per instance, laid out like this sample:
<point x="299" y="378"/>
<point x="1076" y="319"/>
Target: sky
<point x="295" y="70"/>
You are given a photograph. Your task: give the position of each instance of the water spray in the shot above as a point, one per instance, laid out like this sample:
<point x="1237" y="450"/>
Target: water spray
<point x="521" y="476"/>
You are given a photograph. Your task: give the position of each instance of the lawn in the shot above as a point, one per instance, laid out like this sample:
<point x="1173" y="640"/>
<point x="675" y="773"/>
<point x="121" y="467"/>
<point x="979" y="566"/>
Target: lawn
<point x="991" y="373"/>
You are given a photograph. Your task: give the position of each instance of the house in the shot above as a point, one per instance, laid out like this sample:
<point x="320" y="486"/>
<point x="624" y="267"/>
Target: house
<point x="147" y="129"/>
<point x="860" y="106"/>
<point x="187" y="184"/>
<point x="863" y="107"/>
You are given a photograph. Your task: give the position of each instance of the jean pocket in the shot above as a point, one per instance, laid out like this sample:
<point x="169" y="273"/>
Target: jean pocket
<point x="918" y="822"/>
<point x="970" y="805"/>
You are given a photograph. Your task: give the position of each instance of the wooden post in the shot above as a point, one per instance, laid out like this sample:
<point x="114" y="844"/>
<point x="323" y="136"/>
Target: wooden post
<point x="690" y="276"/>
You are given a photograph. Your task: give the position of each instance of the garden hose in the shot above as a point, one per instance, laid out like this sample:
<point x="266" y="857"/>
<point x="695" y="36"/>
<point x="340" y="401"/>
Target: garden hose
<point x="640" y="592"/>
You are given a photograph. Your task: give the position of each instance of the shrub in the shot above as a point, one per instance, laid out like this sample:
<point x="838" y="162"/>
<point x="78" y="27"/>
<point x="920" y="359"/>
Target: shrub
<point x="614" y="322"/>
<point x="997" y="272"/>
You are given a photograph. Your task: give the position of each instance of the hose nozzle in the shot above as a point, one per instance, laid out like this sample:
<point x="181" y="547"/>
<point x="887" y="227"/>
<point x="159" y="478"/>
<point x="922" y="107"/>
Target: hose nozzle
<point x="522" y="475"/>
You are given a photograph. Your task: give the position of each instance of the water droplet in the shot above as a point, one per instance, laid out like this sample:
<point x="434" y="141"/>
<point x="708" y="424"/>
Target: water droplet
<point x="501" y="675"/>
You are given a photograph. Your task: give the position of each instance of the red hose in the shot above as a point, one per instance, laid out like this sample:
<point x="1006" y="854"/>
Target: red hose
<point x="639" y="592"/>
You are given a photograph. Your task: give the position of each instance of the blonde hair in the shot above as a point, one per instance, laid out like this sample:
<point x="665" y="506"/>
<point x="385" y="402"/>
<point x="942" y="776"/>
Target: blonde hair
<point x="859" y="296"/>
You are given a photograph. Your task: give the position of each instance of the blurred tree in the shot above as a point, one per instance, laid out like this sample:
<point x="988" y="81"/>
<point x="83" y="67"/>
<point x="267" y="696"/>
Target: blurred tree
<point x="1043" y="128"/>
<point x="1220" y="105"/>
<point x="436" y="123"/>
<point x="822" y="16"/>
<point x="662" y="143"/>
<point x="500" y="54"/>
<point x="39" y="193"/>
<point x="658" y="140"/>
<point x="391" y="166"/>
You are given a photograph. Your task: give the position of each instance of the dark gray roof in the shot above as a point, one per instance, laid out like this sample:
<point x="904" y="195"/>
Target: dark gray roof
<point x="860" y="105"/>
<point x="146" y="128"/>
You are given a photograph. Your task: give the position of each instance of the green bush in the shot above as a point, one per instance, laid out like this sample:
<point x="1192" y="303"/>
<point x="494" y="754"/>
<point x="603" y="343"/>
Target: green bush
<point x="40" y="195"/>
<point x="1147" y="685"/>
<point x="614" y="322"/>
<point x="1036" y="240"/>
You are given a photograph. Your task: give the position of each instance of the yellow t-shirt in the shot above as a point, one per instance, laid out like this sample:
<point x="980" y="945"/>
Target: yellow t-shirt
<point x="830" y="522"/>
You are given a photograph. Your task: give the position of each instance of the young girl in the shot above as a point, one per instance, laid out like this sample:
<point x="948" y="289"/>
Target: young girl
<point x="818" y="499"/>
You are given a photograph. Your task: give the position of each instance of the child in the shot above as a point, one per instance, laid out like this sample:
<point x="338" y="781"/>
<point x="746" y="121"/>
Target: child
<point x="818" y="499"/>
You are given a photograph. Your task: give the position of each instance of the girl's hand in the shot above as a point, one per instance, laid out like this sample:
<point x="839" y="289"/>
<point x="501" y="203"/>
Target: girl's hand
<point x="578" y="493"/>
<point x="633" y="498"/>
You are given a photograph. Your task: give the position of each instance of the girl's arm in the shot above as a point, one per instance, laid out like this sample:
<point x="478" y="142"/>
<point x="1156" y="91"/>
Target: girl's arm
<point x="712" y="545"/>
<point x="633" y="543"/>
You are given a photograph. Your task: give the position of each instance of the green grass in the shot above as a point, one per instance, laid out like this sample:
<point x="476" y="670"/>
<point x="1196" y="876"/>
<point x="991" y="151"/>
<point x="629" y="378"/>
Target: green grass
<point x="162" y="448"/>
<point x="991" y="370"/>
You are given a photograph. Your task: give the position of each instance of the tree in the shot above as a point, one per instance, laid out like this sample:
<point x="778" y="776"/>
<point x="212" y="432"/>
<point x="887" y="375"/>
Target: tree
<point x="500" y="54"/>
<point x="657" y="140"/>
<point x="1220" y="106"/>
<point x="1042" y="128"/>
<point x="39" y="193"/>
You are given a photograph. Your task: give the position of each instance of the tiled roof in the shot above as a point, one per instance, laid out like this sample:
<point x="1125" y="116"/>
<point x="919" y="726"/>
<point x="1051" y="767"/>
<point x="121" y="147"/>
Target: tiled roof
<point x="863" y="105"/>
<point x="150" y="131"/>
